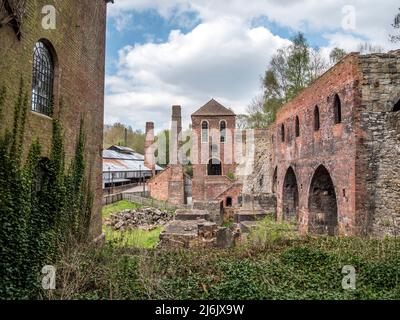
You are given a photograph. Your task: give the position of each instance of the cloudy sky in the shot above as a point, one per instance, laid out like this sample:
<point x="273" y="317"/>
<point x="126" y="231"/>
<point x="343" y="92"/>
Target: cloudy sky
<point x="166" y="52"/>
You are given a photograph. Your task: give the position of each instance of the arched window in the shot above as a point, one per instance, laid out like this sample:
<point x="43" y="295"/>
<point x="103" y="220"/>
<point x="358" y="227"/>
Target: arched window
<point x="396" y="107"/>
<point x="228" y="202"/>
<point x="316" y="119"/>
<point x="222" y="129"/>
<point x="42" y="79"/>
<point x="297" y="127"/>
<point x="41" y="174"/>
<point x="283" y="132"/>
<point x="214" y="167"/>
<point x="338" y="110"/>
<point x="204" y="131"/>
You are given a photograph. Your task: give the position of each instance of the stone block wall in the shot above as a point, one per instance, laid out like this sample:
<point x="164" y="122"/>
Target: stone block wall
<point x="378" y="154"/>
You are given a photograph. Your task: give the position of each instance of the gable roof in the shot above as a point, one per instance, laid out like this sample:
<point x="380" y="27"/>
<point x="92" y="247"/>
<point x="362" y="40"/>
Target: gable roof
<point x="213" y="108"/>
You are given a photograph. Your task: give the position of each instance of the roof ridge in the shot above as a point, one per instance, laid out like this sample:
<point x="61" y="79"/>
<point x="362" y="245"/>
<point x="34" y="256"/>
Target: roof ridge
<point x="213" y="107"/>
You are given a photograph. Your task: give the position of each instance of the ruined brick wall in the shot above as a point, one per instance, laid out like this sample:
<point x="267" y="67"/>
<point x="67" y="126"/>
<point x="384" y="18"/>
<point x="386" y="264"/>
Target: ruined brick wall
<point x="176" y="185"/>
<point x="332" y="147"/>
<point x="79" y="54"/>
<point x="234" y="191"/>
<point x="378" y="170"/>
<point x="159" y="185"/>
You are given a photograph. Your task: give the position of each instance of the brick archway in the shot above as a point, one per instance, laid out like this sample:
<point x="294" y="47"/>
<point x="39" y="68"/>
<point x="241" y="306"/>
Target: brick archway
<point x="290" y="195"/>
<point x="322" y="204"/>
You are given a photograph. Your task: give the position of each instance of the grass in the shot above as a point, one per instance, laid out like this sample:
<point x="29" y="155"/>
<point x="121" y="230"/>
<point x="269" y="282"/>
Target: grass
<point x="283" y="266"/>
<point x="134" y="237"/>
<point x="137" y="238"/>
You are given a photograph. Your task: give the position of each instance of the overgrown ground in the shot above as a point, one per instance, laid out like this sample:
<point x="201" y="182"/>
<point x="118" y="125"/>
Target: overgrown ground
<point x="136" y="238"/>
<point x="275" y="263"/>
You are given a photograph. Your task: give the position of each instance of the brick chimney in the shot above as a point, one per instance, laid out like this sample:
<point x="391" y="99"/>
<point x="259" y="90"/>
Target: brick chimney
<point x="176" y="134"/>
<point x="149" y="158"/>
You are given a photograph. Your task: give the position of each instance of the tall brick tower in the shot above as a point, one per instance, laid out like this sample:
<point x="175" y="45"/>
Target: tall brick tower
<point x="176" y="182"/>
<point x="149" y="158"/>
<point x="213" y="155"/>
<point x="175" y="135"/>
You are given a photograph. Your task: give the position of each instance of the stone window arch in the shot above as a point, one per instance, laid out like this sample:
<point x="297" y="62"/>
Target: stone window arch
<point x="228" y="202"/>
<point x="42" y="78"/>
<point x="297" y="127"/>
<point x="222" y="131"/>
<point x="322" y="204"/>
<point x="337" y="107"/>
<point x="290" y="196"/>
<point x="204" y="131"/>
<point x="316" y="119"/>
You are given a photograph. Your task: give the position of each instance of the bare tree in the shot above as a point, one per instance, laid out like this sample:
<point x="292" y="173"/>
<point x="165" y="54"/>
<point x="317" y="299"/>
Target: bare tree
<point x="396" y="25"/>
<point x="366" y="47"/>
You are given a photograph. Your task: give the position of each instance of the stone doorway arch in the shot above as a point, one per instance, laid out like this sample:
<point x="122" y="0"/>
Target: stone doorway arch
<point x="290" y="196"/>
<point x="322" y="204"/>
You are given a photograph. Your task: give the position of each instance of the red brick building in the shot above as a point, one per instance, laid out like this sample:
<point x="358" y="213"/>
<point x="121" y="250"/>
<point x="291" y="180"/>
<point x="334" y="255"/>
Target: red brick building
<point x="335" y="150"/>
<point x="213" y="153"/>
<point x="329" y="163"/>
<point x="66" y="63"/>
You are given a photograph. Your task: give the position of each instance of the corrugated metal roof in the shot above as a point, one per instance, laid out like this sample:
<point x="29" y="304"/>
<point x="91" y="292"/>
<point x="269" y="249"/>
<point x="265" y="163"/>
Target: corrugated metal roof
<point x="111" y="154"/>
<point x="117" y="162"/>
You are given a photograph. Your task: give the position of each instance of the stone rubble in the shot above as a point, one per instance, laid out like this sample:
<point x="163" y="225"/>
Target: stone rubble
<point x="145" y="218"/>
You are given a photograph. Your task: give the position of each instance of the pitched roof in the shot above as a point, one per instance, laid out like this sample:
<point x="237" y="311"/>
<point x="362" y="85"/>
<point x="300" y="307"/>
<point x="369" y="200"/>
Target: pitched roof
<point x="213" y="108"/>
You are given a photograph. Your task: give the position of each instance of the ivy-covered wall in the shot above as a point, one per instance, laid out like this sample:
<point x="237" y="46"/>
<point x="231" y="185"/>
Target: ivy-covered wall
<point x="45" y="204"/>
<point x="79" y="53"/>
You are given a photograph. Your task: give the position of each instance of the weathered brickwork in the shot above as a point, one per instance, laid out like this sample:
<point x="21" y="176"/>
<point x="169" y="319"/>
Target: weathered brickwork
<point x="207" y="187"/>
<point x="378" y="149"/>
<point x="224" y="186"/>
<point x="337" y="172"/>
<point x="78" y="50"/>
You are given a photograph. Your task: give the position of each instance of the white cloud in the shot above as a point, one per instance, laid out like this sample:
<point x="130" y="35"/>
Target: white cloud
<point x="223" y="56"/>
<point x="222" y="59"/>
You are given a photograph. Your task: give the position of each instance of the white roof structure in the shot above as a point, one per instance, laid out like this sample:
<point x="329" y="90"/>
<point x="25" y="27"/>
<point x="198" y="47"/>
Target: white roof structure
<point x="114" y="161"/>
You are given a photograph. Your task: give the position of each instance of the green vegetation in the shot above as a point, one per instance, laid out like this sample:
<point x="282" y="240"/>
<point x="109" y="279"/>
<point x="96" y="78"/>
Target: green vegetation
<point x="231" y="175"/>
<point x="284" y="265"/>
<point x="133" y="238"/>
<point x="291" y="69"/>
<point x="116" y="133"/>
<point x="45" y="207"/>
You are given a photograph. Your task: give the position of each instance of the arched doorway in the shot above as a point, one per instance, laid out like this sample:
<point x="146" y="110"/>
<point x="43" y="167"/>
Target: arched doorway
<point x="214" y="167"/>
<point x="290" y="196"/>
<point x="322" y="204"/>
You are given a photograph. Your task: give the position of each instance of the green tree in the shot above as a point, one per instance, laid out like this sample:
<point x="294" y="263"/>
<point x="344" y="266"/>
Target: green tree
<point x="336" y="55"/>
<point x="123" y="135"/>
<point x="290" y="70"/>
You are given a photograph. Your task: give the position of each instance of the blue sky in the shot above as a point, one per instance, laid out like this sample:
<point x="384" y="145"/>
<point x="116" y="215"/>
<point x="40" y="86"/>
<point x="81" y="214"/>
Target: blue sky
<point x="166" y="52"/>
